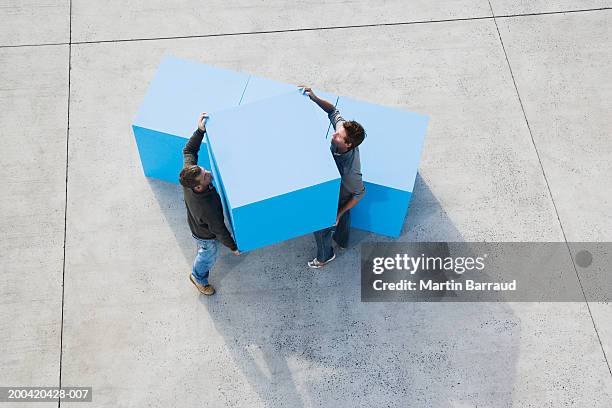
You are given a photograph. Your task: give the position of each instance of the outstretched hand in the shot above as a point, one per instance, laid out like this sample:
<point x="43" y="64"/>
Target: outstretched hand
<point x="308" y="91"/>
<point x="202" y="121"/>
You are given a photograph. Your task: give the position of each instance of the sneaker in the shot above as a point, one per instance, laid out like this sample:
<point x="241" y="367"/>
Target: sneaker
<point x="316" y="264"/>
<point x="204" y="289"/>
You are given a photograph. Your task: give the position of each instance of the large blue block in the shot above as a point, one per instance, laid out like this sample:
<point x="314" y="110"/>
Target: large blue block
<point x="389" y="162"/>
<point x="180" y="91"/>
<point x="272" y="162"/>
<point x="289" y="203"/>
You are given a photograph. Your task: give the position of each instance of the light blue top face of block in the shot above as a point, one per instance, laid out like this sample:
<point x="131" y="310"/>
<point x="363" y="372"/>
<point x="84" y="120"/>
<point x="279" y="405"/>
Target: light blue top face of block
<point x="182" y="89"/>
<point x="260" y="88"/>
<point x="271" y="147"/>
<point x="391" y="151"/>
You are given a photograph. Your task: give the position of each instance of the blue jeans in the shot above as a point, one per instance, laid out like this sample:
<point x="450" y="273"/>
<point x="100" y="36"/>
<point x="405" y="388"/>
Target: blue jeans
<point x="205" y="259"/>
<point x="339" y="233"/>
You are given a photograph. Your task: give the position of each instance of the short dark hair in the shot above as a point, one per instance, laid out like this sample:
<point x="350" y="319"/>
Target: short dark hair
<point x="355" y="133"/>
<point x="188" y="176"/>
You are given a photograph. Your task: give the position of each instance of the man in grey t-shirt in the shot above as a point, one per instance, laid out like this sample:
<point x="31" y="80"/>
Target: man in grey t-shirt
<point x="345" y="142"/>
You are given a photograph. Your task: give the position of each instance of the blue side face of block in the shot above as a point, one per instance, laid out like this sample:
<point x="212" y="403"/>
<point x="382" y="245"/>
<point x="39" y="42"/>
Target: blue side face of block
<point x="382" y="210"/>
<point x="286" y="216"/>
<point x="161" y="154"/>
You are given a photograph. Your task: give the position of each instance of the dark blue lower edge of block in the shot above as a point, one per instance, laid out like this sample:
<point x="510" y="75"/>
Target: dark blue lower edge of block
<point x="382" y="210"/>
<point x="286" y="216"/>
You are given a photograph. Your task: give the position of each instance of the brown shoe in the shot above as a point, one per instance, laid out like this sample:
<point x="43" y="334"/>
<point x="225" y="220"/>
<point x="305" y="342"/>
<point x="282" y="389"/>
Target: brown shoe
<point x="204" y="289"/>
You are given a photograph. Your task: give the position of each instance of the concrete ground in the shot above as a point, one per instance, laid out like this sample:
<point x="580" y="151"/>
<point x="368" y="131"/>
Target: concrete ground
<point x="94" y="257"/>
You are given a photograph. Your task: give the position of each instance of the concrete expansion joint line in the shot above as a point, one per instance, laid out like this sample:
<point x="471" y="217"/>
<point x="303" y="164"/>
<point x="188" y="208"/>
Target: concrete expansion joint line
<point x="292" y="30"/>
<point x="59" y="403"/>
<point x="550" y="191"/>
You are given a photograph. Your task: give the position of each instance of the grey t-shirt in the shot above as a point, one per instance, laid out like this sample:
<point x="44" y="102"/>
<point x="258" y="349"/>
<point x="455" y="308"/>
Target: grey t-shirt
<point x="349" y="166"/>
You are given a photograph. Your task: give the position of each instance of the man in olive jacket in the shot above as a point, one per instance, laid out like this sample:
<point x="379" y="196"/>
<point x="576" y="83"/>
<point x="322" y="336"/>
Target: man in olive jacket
<point x="204" y="212"/>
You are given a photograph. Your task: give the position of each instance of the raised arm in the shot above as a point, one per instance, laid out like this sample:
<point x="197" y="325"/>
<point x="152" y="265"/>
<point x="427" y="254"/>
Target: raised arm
<point x="190" y="152"/>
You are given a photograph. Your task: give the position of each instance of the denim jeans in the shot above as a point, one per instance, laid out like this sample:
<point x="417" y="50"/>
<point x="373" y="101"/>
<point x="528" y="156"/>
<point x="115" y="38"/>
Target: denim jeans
<point x="339" y="233"/>
<point x="205" y="259"/>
